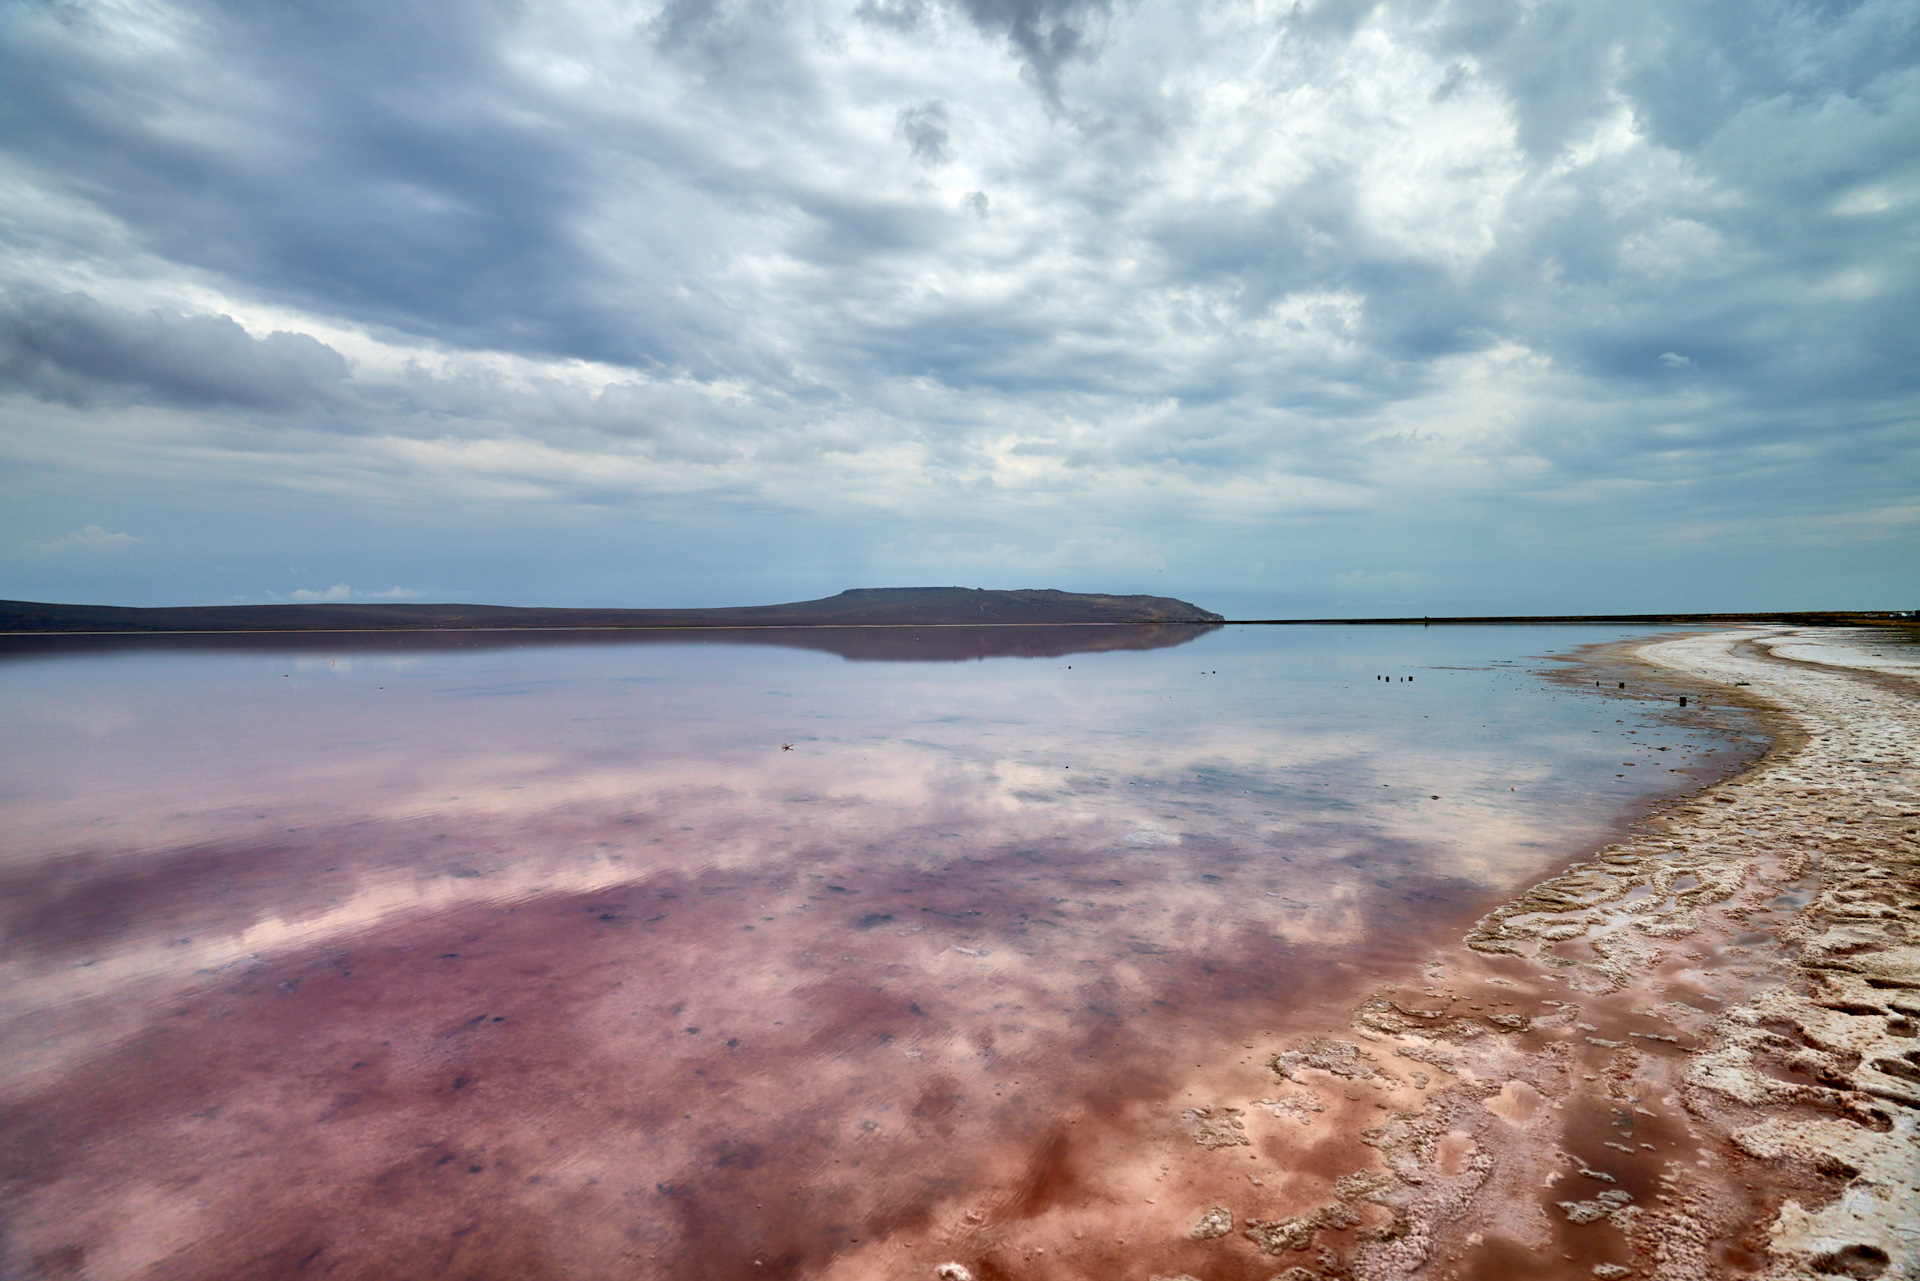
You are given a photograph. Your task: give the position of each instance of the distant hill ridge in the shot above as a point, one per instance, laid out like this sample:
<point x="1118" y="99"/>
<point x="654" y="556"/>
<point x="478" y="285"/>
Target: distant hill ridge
<point x="857" y="607"/>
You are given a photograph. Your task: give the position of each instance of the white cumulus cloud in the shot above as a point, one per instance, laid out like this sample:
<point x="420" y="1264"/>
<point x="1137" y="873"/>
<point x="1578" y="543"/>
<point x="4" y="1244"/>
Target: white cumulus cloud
<point x="337" y="592"/>
<point x="340" y="592"/>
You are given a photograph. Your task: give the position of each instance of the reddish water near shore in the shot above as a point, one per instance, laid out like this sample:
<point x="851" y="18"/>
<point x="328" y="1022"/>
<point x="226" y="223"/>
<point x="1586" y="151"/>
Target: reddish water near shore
<point x="696" y="959"/>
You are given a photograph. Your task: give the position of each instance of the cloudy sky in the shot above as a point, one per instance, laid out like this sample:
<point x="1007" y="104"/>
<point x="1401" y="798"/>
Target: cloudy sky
<point x="1285" y="308"/>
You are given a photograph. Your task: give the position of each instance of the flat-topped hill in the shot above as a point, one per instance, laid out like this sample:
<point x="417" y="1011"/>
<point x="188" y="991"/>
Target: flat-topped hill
<point x="861" y="607"/>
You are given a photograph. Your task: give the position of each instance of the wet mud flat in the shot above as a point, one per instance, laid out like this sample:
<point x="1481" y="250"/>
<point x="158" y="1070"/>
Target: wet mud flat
<point x="1094" y="1015"/>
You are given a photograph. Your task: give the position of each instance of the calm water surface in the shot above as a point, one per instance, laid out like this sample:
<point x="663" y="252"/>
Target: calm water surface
<point x="422" y="958"/>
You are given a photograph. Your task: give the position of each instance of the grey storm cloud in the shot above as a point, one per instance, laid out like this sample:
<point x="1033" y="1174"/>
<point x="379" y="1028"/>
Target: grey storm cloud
<point x="925" y="130"/>
<point x="1043" y="34"/>
<point x="1261" y="269"/>
<point x="1047" y="33"/>
<point x="363" y="165"/>
<point x="69" y="347"/>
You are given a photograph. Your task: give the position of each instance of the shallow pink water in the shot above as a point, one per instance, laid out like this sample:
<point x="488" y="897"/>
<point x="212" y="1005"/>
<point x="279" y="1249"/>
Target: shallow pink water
<point x="716" y="960"/>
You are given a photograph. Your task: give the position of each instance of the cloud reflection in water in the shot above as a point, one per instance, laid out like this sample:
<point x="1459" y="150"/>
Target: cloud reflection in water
<point x="575" y="915"/>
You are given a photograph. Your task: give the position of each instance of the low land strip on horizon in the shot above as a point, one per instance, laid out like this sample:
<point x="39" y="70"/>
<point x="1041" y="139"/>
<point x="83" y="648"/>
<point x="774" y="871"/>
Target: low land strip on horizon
<point x="859" y="607"/>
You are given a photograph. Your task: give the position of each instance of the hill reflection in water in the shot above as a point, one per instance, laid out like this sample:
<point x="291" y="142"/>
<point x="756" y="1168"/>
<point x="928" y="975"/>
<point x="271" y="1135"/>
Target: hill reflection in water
<point x="889" y="644"/>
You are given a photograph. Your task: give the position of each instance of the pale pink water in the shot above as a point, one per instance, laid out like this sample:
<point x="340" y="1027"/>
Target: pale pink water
<point x="717" y="960"/>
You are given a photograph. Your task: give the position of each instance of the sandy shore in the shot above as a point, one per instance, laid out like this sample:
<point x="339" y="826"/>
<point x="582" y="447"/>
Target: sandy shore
<point x="1693" y="1055"/>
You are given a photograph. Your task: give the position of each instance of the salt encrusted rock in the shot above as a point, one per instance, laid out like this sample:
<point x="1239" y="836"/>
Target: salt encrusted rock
<point x="1605" y="1205"/>
<point x="1216" y="1222"/>
<point x="1216" y="1127"/>
<point x="1364" y="1185"/>
<point x="1277" y="1236"/>
<point x="1432" y="1055"/>
<point x="1730" y="1072"/>
<point x="1403" y="1144"/>
<point x="1300" y="1107"/>
<point x="1884" y="1182"/>
<point x="1340" y="1058"/>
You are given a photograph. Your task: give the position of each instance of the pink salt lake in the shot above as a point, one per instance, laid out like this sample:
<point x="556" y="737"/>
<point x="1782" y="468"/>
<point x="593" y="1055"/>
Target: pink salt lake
<point x="484" y="957"/>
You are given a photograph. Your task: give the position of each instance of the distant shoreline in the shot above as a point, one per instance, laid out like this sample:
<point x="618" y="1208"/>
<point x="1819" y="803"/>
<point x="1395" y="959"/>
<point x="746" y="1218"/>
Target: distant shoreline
<point x="1802" y="618"/>
<point x="916" y="608"/>
<point x="919" y="607"/>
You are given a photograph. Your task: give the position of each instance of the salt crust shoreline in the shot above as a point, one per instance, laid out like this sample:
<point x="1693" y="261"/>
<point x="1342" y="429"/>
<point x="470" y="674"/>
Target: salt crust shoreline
<point x="1738" y="983"/>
